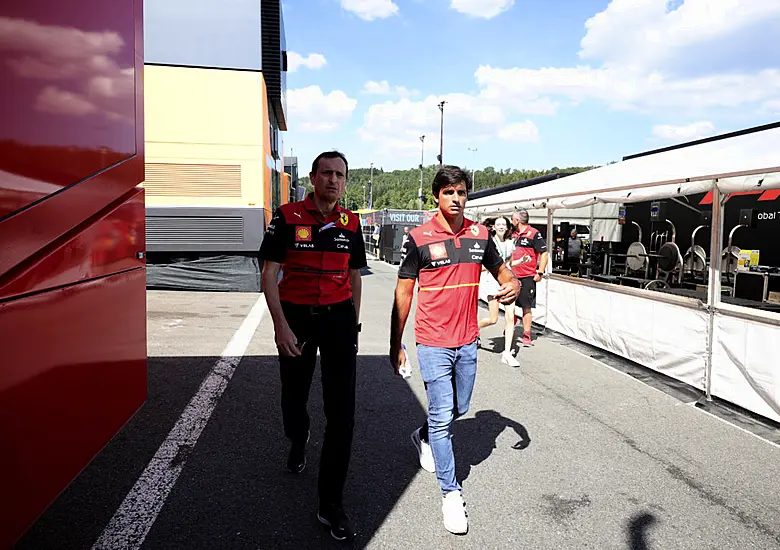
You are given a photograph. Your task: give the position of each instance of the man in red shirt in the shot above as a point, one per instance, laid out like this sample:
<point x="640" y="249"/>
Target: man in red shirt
<point x="445" y="256"/>
<point x="318" y="246"/>
<point x="529" y="261"/>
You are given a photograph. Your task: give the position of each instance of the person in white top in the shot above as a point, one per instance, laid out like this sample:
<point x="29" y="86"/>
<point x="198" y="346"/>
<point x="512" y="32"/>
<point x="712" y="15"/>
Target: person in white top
<point x="502" y="236"/>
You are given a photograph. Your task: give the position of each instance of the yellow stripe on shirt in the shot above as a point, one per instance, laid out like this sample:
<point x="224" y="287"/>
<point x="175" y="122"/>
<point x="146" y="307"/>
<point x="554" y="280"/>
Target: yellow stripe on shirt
<point x="448" y="287"/>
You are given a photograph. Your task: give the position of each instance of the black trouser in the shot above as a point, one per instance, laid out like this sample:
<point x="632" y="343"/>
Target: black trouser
<point x="332" y="329"/>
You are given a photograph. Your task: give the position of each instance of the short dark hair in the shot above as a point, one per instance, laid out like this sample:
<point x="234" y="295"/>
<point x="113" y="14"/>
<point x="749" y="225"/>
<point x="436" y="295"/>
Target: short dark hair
<point x="329" y="155"/>
<point x="450" y="175"/>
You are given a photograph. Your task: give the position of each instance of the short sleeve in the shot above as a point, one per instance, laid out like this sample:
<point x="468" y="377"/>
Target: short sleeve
<point x="492" y="258"/>
<point x="273" y="248"/>
<point x="410" y="266"/>
<point x="540" y="245"/>
<point x="357" y="258"/>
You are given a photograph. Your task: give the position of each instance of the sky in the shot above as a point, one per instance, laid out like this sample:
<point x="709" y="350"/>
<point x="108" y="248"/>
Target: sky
<point x="528" y="84"/>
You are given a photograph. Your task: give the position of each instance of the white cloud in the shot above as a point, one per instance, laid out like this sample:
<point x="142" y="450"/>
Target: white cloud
<point x="396" y="126"/>
<point x="82" y="59"/>
<point x="530" y="89"/>
<point x="486" y="9"/>
<point x="384" y="88"/>
<point x="688" y="132"/>
<point x="56" y="101"/>
<point x="647" y="33"/>
<point x="772" y="106"/>
<point x="311" y="61"/>
<point x="640" y="50"/>
<point x="520" y="131"/>
<point x="369" y="10"/>
<point x="313" y="111"/>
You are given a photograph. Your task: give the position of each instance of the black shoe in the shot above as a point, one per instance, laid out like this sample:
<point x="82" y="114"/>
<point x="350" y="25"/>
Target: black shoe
<point x="335" y="518"/>
<point x="296" y="461"/>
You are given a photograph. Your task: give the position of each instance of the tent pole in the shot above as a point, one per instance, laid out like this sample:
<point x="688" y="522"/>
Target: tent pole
<point x="716" y="242"/>
<point x="549" y="266"/>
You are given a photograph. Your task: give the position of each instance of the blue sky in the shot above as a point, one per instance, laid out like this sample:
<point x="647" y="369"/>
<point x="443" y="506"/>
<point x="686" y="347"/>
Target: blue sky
<point x="528" y="83"/>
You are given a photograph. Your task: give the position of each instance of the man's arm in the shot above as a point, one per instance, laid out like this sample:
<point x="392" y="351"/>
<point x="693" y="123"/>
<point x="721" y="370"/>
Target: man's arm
<point x="285" y="338"/>
<point x="356" y="279"/>
<point x="402" y="305"/>
<point x="543" y="259"/>
<point x="273" y="250"/>
<point x="544" y="256"/>
<point x="510" y="286"/>
<point x="404" y="292"/>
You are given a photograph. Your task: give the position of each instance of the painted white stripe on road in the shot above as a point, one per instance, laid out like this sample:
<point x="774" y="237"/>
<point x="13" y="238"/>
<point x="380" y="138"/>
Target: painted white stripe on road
<point x="136" y="515"/>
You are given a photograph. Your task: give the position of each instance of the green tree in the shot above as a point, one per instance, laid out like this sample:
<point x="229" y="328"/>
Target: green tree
<point x="398" y="189"/>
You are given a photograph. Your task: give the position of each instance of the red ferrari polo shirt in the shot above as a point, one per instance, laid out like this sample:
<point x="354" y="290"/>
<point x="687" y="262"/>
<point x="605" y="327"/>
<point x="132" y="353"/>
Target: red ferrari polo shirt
<point x="447" y="267"/>
<point x="316" y="254"/>
<point x="529" y="245"/>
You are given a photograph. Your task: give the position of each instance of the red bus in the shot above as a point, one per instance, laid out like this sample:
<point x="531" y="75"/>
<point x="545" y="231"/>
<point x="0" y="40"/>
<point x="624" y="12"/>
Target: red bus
<point x="72" y="241"/>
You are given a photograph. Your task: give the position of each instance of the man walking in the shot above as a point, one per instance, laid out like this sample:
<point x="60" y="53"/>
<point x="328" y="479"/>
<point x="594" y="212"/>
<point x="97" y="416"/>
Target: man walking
<point x="319" y="248"/>
<point x="445" y="256"/>
<point x="529" y="261"/>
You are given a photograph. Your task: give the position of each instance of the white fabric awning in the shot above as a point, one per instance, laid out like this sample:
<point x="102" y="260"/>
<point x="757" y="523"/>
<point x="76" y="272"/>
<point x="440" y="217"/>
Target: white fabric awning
<point x="745" y="162"/>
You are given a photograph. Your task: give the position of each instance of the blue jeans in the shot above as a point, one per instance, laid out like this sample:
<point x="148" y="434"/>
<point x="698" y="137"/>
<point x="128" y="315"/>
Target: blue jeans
<point x="449" y="375"/>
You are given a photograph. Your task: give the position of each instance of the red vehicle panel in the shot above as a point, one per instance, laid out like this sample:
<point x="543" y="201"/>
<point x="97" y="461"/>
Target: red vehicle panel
<point x="72" y="281"/>
<point x="67" y="105"/>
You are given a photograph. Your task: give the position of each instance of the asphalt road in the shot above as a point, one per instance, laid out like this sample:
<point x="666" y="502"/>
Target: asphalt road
<point x="606" y="460"/>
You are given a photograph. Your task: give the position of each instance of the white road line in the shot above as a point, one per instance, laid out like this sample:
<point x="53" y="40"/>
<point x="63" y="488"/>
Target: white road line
<point x="136" y="515"/>
<point x="692" y="404"/>
<point x="740" y="428"/>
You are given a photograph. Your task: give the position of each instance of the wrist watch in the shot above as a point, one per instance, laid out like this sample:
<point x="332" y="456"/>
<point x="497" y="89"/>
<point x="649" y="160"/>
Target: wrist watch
<point x="359" y="327"/>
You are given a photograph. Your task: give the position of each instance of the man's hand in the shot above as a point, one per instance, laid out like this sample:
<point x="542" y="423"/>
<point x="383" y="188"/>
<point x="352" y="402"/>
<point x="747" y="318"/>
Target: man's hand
<point x="397" y="358"/>
<point x="508" y="292"/>
<point x="286" y="341"/>
<point x="537" y="277"/>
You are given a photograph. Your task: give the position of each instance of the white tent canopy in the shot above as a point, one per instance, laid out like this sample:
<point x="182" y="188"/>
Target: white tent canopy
<point x="739" y="163"/>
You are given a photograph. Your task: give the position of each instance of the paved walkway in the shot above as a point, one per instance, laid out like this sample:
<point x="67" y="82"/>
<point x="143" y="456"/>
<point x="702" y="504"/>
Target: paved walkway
<point x="605" y="461"/>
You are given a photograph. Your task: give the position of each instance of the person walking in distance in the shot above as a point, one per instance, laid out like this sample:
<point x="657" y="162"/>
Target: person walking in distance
<point x="502" y="237"/>
<point x="529" y="261"/>
<point x="445" y="256"/>
<point x="318" y="246"/>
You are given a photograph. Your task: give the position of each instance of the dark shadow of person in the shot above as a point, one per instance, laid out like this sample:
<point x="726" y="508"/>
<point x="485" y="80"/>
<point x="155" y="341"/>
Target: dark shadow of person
<point x="638" y="527"/>
<point x="475" y="438"/>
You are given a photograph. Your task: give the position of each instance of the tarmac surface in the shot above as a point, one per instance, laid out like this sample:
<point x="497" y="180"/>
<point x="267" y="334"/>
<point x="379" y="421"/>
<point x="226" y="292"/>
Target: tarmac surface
<point x="565" y="452"/>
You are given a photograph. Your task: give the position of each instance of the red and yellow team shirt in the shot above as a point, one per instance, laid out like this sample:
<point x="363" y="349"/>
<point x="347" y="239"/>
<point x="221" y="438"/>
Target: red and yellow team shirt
<point x="529" y="245"/>
<point x="447" y="267"/>
<point x="316" y="255"/>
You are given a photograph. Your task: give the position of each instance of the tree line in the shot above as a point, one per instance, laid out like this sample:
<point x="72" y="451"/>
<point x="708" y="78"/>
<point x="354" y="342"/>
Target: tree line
<point x="398" y="189"/>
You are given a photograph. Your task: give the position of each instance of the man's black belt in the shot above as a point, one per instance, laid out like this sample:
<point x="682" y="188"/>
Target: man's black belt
<point x="320" y="310"/>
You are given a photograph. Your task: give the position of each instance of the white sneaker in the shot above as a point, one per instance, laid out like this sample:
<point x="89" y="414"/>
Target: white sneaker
<point x="424" y="452"/>
<point x="508" y="359"/>
<point x="454" y="510"/>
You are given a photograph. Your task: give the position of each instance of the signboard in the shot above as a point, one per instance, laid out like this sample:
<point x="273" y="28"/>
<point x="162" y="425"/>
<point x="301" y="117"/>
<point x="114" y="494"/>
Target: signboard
<point x="411" y="218"/>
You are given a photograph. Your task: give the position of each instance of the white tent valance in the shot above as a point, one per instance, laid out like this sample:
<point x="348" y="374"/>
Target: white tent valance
<point x="750" y="183"/>
<point x="744" y="162"/>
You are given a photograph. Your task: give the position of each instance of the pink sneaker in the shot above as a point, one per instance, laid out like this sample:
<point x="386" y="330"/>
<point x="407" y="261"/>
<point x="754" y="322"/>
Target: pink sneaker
<point x="527" y="343"/>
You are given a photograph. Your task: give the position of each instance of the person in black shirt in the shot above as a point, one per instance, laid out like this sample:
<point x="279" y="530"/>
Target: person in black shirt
<point x="318" y="247"/>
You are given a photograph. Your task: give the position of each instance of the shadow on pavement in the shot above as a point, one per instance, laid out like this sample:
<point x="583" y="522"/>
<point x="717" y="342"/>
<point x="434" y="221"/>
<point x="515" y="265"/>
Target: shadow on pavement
<point x="475" y="438"/>
<point x="234" y="491"/>
<point x="637" y="531"/>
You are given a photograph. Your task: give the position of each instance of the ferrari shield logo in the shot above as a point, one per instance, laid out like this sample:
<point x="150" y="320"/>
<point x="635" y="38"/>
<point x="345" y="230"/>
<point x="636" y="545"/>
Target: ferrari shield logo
<point x="343" y="219"/>
<point x="475" y="230"/>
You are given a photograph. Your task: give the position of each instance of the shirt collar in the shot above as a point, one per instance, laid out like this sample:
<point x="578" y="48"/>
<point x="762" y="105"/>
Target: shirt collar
<point x="440" y="228"/>
<point x="308" y="204"/>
